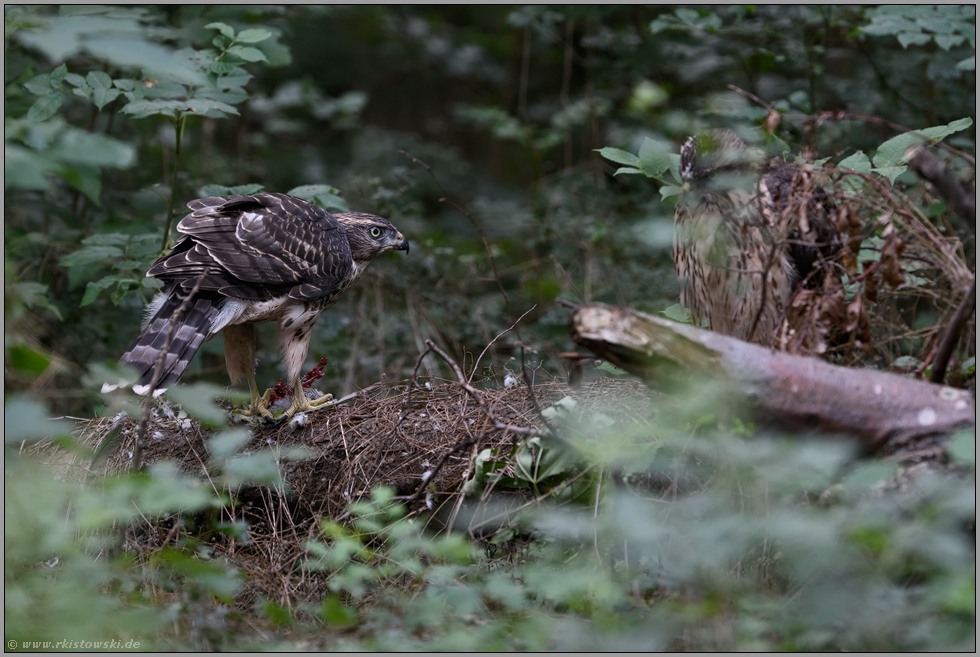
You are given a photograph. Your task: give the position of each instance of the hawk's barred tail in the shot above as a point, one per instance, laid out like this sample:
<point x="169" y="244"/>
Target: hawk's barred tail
<point x="191" y="331"/>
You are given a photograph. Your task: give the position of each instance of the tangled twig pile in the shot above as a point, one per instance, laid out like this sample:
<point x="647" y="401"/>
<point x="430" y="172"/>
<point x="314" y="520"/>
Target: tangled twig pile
<point x="893" y="284"/>
<point x="393" y="435"/>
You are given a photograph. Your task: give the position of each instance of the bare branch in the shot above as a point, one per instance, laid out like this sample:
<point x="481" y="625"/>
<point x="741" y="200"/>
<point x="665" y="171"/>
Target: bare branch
<point x="953" y="331"/>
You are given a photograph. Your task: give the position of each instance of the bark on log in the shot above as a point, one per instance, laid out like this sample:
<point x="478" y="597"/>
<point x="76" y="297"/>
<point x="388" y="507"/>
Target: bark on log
<point x="794" y="392"/>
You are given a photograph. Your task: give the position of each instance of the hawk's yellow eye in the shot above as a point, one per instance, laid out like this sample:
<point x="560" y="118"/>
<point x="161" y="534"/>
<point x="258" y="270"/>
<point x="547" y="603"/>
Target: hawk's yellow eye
<point x="375" y="232"/>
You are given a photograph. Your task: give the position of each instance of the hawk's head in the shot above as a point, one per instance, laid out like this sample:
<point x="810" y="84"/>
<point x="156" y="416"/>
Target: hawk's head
<point x="716" y="151"/>
<point x="370" y="235"/>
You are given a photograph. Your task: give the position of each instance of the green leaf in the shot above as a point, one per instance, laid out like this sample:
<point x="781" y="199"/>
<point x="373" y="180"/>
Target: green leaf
<point x="24" y="419"/>
<point x="221" y="190"/>
<point x="197" y="400"/>
<point x="323" y="195"/>
<point x="259" y="467"/>
<point x="253" y="36"/>
<point x="670" y="190"/>
<point x="677" y="313"/>
<point x="963" y="447"/>
<point x="86" y="178"/>
<point x="35" y="295"/>
<point x="89" y="254"/>
<point x="867" y="475"/>
<point x="88" y="148"/>
<point x="45" y="107"/>
<point x="75" y="80"/>
<point x="675" y="167"/>
<point x="948" y="41"/>
<point x="619" y="156"/>
<point x="226" y="444"/>
<point x="654" y="157"/>
<point x="138" y="53"/>
<point x="892" y="152"/>
<point x="208" y="106"/>
<point x="92" y="290"/>
<point x="858" y="162"/>
<point x="248" y="54"/>
<point x="913" y="39"/>
<point x="222" y="67"/>
<point x="141" y="109"/>
<point x="58" y="75"/>
<point x="26" y="360"/>
<point x="890" y="172"/>
<point x="25" y="169"/>
<point x="606" y="366"/>
<point x="336" y="613"/>
<point x="627" y="170"/>
<point x="224" y="28"/>
<point x="968" y="64"/>
<point x="39" y="85"/>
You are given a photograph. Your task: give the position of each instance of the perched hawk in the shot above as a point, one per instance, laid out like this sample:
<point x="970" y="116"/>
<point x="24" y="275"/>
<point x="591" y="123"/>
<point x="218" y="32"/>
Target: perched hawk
<point x="749" y="231"/>
<point x="263" y="258"/>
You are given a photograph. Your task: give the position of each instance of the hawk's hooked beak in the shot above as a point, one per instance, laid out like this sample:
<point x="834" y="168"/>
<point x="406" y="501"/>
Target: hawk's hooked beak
<point x="402" y="243"/>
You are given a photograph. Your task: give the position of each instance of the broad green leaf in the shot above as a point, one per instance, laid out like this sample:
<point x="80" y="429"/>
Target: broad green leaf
<point x="948" y="41"/>
<point x="675" y="167"/>
<point x="58" y="75"/>
<point x="323" y="195"/>
<point x="248" y="54"/>
<point x="103" y="96"/>
<point x="221" y="190"/>
<point x="35" y="295"/>
<point x="226" y="444"/>
<point x="24" y="419"/>
<point x="890" y="172"/>
<point x="670" y="190"/>
<point x="40" y="85"/>
<point x="143" y="108"/>
<point x="865" y="476"/>
<point x="259" y="467"/>
<point x="627" y="170"/>
<point x="89" y="254"/>
<point x="205" y="106"/>
<point x="86" y="178"/>
<point x="224" y="28"/>
<point x="253" y="36"/>
<point x="913" y="39"/>
<point x="654" y="157"/>
<point x="27" y="360"/>
<point x="968" y="64"/>
<point x="222" y="67"/>
<point x="963" y="447"/>
<point x="619" y="156"/>
<point x="336" y="613"/>
<point x="25" y="169"/>
<point x="198" y="400"/>
<point x="678" y="313"/>
<point x="857" y="162"/>
<point x="892" y="152"/>
<point x="81" y="147"/>
<point x="45" y="107"/>
<point x="150" y="57"/>
<point x="92" y="290"/>
<point x="75" y="80"/>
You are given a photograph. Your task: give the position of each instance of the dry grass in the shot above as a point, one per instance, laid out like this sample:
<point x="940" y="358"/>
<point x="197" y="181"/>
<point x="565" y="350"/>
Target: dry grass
<point x="387" y="436"/>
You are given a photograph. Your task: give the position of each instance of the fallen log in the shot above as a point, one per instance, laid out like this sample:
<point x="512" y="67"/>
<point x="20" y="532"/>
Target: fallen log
<point x="793" y="392"/>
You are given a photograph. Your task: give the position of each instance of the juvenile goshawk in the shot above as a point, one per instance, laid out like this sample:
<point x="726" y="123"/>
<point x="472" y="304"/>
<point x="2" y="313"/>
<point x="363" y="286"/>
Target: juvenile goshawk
<point x="255" y="258"/>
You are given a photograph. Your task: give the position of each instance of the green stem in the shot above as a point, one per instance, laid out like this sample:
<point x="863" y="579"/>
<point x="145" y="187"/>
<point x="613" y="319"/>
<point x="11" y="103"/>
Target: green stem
<point x="179" y="128"/>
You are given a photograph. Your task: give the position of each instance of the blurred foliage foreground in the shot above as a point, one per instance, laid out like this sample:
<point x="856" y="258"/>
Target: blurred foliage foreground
<point x="544" y="517"/>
